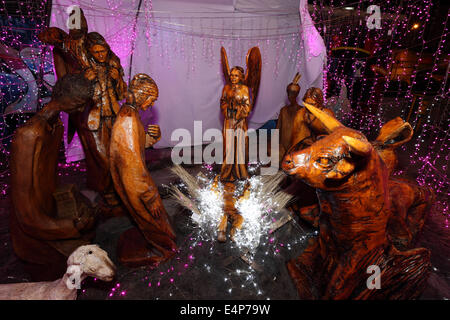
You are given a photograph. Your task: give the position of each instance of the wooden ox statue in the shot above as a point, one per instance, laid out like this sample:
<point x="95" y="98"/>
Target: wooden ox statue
<point x="353" y="189"/>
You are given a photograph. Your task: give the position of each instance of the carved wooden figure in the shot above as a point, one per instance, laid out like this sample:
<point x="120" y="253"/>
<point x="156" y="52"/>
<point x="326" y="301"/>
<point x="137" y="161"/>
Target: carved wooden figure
<point x="238" y="98"/>
<point x="69" y="56"/>
<point x="154" y="240"/>
<point x="285" y="121"/>
<point x="106" y="72"/>
<point x="40" y="236"/>
<point x="352" y="184"/>
<point x="409" y="202"/>
<point x="231" y="214"/>
<point x="90" y="54"/>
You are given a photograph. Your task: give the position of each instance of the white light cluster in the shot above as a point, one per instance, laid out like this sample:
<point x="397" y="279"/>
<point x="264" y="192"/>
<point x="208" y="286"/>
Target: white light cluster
<point x="210" y="205"/>
<point x="255" y="199"/>
<point x="256" y="211"/>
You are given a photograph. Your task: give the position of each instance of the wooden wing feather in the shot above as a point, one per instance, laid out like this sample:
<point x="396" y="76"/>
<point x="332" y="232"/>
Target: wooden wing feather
<point x="225" y="65"/>
<point x="253" y="72"/>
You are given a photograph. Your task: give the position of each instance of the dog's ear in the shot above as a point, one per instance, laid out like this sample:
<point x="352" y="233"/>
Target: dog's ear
<point x="73" y="269"/>
<point x="73" y="273"/>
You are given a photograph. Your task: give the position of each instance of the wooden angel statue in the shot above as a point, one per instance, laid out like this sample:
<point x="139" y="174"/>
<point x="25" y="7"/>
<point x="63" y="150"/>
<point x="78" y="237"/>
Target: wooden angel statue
<point x="238" y="98"/>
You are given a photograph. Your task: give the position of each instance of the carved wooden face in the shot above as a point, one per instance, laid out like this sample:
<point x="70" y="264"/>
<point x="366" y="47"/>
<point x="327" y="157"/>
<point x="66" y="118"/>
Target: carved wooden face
<point x="236" y="76"/>
<point x="328" y="163"/>
<point x="292" y="91"/>
<point x="149" y="102"/>
<point x="99" y="52"/>
<point x="314" y="96"/>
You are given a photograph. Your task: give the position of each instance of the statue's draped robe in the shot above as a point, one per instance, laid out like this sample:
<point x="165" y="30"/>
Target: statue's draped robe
<point x="285" y="124"/>
<point x="96" y="135"/>
<point x="38" y="235"/>
<point x="133" y="182"/>
<point x="235" y="139"/>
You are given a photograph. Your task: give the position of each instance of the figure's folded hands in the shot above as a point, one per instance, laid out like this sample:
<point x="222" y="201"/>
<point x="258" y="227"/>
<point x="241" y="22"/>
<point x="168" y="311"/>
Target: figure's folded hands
<point x="154" y="131"/>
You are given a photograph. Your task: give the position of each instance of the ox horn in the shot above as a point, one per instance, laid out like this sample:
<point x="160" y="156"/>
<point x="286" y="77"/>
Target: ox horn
<point x="328" y="121"/>
<point x="357" y="146"/>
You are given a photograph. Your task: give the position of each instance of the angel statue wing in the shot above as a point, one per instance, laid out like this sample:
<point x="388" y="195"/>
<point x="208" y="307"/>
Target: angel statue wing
<point x="253" y="72"/>
<point x="225" y="65"/>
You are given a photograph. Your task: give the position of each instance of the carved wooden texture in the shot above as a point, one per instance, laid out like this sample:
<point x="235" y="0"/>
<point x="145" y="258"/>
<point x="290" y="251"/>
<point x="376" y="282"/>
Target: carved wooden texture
<point x="138" y="192"/>
<point x="355" y="205"/>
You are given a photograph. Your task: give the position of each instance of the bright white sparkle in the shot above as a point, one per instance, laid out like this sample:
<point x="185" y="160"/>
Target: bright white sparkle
<point x="257" y="218"/>
<point x="255" y="200"/>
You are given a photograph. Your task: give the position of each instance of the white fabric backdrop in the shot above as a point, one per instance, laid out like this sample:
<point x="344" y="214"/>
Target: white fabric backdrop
<point x="179" y="46"/>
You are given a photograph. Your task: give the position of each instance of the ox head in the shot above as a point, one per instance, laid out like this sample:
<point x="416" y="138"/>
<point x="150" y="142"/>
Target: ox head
<point x="330" y="162"/>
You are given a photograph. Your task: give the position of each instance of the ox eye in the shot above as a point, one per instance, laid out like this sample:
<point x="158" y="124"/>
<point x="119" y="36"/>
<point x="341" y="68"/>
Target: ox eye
<point x="324" y="162"/>
<point x="321" y="137"/>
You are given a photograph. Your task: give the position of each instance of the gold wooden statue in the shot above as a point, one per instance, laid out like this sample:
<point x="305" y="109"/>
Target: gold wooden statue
<point x="238" y="98"/>
<point x="285" y="121"/>
<point x="106" y="72"/>
<point x="154" y="240"/>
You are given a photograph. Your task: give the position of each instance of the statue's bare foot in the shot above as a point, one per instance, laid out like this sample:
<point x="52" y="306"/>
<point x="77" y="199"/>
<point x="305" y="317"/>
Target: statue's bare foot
<point x="221" y="236"/>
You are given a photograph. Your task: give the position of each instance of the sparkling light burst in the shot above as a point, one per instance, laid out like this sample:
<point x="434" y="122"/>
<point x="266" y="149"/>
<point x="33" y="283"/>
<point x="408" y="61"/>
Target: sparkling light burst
<point x="256" y="205"/>
<point x="256" y="210"/>
<point x="210" y="205"/>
